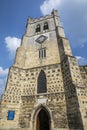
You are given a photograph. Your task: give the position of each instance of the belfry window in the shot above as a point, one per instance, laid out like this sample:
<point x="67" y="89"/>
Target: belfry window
<point x="45" y="26"/>
<point x="42" y="53"/>
<point x="41" y="83"/>
<point x="38" y="29"/>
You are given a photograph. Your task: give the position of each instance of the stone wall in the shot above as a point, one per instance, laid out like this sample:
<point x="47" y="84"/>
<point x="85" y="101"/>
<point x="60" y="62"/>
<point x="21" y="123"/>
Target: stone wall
<point x="64" y="98"/>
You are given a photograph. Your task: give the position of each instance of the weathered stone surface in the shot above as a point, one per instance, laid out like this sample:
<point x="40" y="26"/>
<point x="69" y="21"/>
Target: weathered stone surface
<point x="50" y="67"/>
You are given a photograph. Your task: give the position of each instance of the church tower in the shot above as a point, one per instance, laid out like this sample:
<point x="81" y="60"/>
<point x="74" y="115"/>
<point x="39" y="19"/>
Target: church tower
<point x="45" y="89"/>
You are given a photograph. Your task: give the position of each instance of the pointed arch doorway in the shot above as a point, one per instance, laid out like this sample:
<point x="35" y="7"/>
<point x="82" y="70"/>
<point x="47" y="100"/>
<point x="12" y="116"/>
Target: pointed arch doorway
<point x="43" y="120"/>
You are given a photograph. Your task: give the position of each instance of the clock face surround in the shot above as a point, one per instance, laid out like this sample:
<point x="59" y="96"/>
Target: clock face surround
<point x="41" y="39"/>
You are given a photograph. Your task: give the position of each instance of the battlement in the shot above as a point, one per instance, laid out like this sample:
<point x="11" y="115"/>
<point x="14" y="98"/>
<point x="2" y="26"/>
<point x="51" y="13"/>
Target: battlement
<point x="34" y="20"/>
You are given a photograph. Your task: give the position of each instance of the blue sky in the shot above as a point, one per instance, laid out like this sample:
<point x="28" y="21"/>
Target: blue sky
<point x="13" y="19"/>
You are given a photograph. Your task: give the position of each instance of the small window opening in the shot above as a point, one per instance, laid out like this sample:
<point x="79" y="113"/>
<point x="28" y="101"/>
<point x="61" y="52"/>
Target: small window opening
<point x="38" y="28"/>
<point x="42" y="53"/>
<point x="46" y="26"/>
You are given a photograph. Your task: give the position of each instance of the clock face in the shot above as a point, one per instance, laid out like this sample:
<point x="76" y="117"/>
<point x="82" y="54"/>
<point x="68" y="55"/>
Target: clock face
<point x="41" y="39"/>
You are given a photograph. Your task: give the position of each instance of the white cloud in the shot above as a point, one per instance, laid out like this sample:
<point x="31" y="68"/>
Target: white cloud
<point x="3" y="72"/>
<point x="81" y="60"/>
<point x="48" y="5"/>
<point x="78" y="57"/>
<point x="12" y="43"/>
<point x="3" y="78"/>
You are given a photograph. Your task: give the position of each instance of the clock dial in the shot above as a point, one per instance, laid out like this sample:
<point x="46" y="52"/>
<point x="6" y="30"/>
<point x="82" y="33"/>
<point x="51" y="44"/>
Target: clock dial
<point x="41" y="39"/>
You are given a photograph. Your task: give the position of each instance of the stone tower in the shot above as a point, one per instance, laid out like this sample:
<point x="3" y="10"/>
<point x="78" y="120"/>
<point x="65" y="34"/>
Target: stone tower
<point x="45" y="89"/>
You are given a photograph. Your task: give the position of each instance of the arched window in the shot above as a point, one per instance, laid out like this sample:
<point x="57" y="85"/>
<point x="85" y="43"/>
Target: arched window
<point x="46" y="26"/>
<point x="38" y="28"/>
<point x="41" y="83"/>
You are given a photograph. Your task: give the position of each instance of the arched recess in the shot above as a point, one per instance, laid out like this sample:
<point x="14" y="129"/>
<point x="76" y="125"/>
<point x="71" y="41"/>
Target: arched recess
<point x="42" y="118"/>
<point x="46" y="27"/>
<point x="42" y="83"/>
<point x="38" y="28"/>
